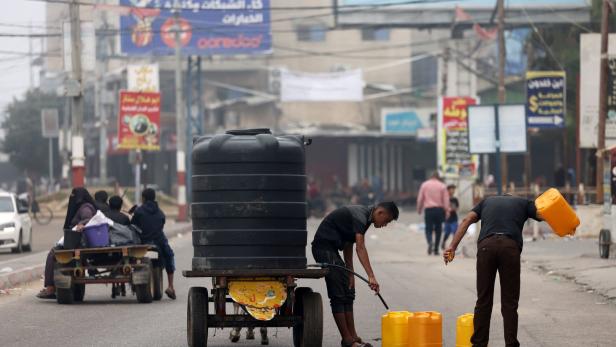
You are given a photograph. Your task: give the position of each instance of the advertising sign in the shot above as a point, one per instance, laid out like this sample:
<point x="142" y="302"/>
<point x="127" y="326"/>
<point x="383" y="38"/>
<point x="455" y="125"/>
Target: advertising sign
<point x="208" y="27"/>
<point x="50" y="122"/>
<point x="590" y="60"/>
<point x="139" y="121"/>
<point x="143" y="78"/>
<point x="546" y="99"/>
<point x="405" y="121"/>
<point x="511" y="128"/>
<point x="455" y="158"/>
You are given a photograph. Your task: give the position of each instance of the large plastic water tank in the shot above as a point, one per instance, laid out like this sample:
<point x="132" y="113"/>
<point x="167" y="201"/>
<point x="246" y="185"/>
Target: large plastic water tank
<point x="249" y="201"/>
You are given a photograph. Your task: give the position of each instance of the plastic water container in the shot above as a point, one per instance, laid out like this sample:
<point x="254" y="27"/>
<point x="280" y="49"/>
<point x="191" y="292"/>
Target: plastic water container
<point x="425" y="329"/>
<point x="554" y="209"/>
<point x="464" y="330"/>
<point x="394" y="329"/>
<point x="97" y="235"/>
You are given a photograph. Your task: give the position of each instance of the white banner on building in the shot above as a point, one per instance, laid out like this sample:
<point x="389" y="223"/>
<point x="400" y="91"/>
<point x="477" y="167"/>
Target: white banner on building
<point x="143" y="78"/>
<point x="334" y="86"/>
<point x="590" y="61"/>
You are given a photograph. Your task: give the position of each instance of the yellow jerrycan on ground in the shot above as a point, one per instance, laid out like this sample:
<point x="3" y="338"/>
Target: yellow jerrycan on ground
<point x="394" y="329"/>
<point x="554" y="209"/>
<point x="425" y="329"/>
<point x="464" y="330"/>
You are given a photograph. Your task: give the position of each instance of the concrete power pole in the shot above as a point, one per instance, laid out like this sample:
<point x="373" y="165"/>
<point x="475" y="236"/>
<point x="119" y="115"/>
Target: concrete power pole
<point x="502" y="55"/>
<point x="602" y="104"/>
<point x="100" y="109"/>
<point x="78" y="155"/>
<point x="180" y="121"/>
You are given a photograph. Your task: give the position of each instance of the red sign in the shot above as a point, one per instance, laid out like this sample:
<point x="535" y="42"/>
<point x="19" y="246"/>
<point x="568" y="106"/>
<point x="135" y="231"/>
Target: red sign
<point x="455" y="112"/>
<point x="139" y="121"/>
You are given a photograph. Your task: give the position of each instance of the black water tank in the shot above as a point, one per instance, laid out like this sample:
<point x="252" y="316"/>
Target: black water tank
<point x="249" y="201"/>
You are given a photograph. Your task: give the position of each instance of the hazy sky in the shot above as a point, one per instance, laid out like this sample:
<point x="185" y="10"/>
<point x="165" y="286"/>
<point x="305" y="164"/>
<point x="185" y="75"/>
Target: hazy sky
<point x="15" y="17"/>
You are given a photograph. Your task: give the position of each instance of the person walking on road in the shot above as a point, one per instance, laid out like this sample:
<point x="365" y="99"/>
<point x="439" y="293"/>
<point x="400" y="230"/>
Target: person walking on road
<point x="151" y="220"/>
<point x="338" y="231"/>
<point x="433" y="201"/>
<point x="498" y="250"/>
<point x="451" y="224"/>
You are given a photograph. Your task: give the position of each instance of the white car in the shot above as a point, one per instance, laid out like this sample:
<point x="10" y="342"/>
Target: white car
<point x="15" y="224"/>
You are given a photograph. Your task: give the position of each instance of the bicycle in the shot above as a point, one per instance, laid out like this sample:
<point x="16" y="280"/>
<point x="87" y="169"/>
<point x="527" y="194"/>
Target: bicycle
<point x="41" y="216"/>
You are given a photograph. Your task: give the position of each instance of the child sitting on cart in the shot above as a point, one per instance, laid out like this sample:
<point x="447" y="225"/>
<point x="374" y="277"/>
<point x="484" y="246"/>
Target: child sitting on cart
<point x="151" y="220"/>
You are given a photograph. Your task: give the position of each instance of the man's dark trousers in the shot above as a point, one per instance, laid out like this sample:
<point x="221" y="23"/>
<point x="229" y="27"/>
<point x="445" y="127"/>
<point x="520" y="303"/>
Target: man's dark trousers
<point x="434" y="218"/>
<point x="497" y="253"/>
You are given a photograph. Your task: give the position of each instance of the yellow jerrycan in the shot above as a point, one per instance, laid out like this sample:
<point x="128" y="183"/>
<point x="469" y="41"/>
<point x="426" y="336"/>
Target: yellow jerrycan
<point x="464" y="330"/>
<point x="425" y="329"/>
<point x="394" y="329"/>
<point x="554" y="209"/>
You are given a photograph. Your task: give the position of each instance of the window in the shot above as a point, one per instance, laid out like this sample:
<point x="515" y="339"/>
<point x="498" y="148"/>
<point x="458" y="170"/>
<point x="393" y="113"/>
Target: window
<point x="6" y="204"/>
<point x="375" y="34"/>
<point x="311" y="33"/>
<point x="424" y="72"/>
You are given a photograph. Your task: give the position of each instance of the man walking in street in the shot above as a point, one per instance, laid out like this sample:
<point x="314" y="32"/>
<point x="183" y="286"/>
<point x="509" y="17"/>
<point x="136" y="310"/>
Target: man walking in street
<point x="498" y="249"/>
<point x="433" y="199"/>
<point x="338" y="231"/>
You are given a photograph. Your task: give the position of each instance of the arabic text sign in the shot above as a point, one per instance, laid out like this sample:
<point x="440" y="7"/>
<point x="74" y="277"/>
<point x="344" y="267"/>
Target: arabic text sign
<point x="404" y="120"/>
<point x="333" y="86"/>
<point x="139" y="121"/>
<point x="545" y="99"/>
<point x="50" y="122"/>
<point x="209" y="27"/>
<point x="455" y="157"/>
<point x="143" y="78"/>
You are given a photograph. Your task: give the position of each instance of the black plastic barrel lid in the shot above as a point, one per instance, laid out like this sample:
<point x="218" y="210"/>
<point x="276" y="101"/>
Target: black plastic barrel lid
<point x="249" y="132"/>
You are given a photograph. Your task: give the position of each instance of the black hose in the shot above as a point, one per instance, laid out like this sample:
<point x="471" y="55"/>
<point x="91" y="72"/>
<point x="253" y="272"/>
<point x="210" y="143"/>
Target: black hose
<point x="325" y="265"/>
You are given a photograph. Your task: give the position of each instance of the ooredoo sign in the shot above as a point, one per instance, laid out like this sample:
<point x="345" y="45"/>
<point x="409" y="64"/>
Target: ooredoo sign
<point x="208" y="27"/>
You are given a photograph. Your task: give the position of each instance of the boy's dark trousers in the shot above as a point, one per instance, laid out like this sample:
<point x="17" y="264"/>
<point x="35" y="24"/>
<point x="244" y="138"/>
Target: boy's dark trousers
<point x="499" y="253"/>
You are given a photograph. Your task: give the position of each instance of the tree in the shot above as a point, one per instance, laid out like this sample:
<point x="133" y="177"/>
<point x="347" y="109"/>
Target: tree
<point x="23" y="141"/>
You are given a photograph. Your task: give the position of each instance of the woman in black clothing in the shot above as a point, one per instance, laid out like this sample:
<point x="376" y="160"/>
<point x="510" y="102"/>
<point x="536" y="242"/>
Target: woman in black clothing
<point x="81" y="208"/>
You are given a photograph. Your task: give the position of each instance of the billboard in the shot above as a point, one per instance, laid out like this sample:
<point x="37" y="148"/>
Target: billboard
<point x="139" y="121"/>
<point x="590" y="60"/>
<point x="454" y="157"/>
<point x="408" y="121"/>
<point x="441" y="13"/>
<point x="545" y="99"/>
<point x="143" y="78"/>
<point x="328" y="86"/>
<point x="209" y="27"/>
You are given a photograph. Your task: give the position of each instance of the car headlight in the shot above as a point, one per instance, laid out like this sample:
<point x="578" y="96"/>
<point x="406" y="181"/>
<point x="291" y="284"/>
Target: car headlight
<point x="8" y="226"/>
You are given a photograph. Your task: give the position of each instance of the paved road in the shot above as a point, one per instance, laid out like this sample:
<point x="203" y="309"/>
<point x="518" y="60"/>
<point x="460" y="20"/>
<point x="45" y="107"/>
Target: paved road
<point x="552" y="312"/>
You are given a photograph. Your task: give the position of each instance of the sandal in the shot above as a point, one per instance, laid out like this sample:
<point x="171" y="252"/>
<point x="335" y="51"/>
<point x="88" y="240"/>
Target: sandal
<point x="355" y="343"/>
<point x="362" y="343"/>
<point x="44" y="294"/>
<point x="170" y="293"/>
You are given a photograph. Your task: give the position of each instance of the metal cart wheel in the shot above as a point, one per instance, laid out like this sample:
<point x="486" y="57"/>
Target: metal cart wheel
<point x="156" y="281"/>
<point x="197" y="317"/>
<point x="64" y="296"/>
<point x="309" y="306"/>
<point x="605" y="241"/>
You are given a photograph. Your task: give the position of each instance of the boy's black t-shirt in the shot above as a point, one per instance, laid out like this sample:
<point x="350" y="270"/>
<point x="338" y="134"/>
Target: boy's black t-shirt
<point x="340" y="226"/>
<point x="505" y="214"/>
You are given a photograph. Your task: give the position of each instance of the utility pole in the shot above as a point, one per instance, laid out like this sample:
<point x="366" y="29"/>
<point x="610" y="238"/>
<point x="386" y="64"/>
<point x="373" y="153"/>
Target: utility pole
<point x="180" y="125"/>
<point x="100" y="109"/>
<point x="78" y="155"/>
<point x="502" y="54"/>
<point x="601" y="155"/>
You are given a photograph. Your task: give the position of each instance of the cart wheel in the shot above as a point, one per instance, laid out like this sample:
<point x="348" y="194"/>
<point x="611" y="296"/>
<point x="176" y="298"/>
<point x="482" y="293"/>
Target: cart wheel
<point x="79" y="291"/>
<point x="310" y="307"/>
<point x="64" y="296"/>
<point x="605" y="241"/>
<point x="156" y="282"/>
<point x="144" y="294"/>
<point x="197" y="317"/>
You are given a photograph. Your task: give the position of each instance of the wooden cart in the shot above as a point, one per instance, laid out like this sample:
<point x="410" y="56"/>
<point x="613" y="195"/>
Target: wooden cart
<point x="75" y="268"/>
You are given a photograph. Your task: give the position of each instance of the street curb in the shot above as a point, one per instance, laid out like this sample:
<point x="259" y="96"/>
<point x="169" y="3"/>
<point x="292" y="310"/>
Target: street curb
<point x="32" y="273"/>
